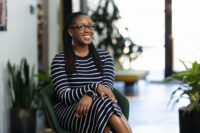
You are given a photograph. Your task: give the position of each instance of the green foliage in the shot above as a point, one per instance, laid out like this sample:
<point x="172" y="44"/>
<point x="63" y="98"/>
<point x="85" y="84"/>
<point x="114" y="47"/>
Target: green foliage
<point x="108" y="34"/>
<point x="44" y="86"/>
<point x="190" y="85"/>
<point x="22" y="84"/>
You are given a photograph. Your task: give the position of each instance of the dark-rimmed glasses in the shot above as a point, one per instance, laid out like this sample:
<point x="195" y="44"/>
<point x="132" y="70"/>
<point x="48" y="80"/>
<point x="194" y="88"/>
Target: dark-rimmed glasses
<point x="83" y="27"/>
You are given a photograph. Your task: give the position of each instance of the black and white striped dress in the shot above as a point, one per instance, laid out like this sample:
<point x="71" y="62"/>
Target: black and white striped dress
<point x="69" y="91"/>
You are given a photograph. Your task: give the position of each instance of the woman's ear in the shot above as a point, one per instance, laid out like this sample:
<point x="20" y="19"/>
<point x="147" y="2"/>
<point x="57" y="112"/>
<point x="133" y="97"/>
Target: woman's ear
<point x="70" y="32"/>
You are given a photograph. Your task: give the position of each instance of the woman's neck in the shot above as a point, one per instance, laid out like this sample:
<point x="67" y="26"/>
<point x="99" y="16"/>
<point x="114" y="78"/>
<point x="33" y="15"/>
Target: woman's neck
<point x="81" y="50"/>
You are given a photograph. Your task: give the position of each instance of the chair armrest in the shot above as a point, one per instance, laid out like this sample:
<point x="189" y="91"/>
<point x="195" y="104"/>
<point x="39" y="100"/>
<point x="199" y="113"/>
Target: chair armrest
<point x="123" y="102"/>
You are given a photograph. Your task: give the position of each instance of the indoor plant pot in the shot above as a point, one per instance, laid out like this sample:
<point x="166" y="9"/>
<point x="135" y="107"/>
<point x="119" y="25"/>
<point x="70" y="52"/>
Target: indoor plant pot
<point x="189" y="121"/>
<point x="189" y="116"/>
<point x="23" y="120"/>
<point x="22" y="85"/>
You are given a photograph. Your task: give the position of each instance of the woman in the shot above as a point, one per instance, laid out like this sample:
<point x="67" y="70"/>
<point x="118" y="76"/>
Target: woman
<point x="83" y="81"/>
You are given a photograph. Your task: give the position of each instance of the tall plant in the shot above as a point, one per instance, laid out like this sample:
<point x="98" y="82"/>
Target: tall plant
<point x="105" y="17"/>
<point x="21" y="84"/>
<point x="190" y="85"/>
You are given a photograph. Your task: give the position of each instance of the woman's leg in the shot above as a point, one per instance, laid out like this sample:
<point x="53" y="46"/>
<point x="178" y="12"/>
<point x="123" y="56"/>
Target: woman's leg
<point x="119" y="124"/>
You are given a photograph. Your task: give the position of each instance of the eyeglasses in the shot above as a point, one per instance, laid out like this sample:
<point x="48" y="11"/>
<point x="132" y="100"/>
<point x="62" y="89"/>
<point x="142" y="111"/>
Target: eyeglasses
<point x="83" y="27"/>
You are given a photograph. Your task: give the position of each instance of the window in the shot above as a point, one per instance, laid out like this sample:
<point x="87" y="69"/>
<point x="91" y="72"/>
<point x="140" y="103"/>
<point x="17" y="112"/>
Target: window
<point x="186" y="31"/>
<point x="145" y="22"/>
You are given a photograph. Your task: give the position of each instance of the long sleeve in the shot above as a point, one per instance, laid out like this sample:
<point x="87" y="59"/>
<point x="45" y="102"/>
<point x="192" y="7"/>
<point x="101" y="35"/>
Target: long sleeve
<point x="108" y="65"/>
<point x="62" y="87"/>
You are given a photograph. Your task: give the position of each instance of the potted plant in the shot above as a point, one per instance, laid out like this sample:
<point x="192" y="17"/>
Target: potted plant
<point x="105" y="17"/>
<point x="22" y="85"/>
<point x="189" y="116"/>
<point x="44" y="86"/>
<point x="44" y="81"/>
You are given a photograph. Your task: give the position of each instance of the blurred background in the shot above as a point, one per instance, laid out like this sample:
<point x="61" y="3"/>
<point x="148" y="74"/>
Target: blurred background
<point x="148" y="36"/>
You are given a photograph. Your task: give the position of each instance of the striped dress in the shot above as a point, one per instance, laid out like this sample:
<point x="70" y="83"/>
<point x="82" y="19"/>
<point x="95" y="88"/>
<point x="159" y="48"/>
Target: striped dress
<point x="69" y="90"/>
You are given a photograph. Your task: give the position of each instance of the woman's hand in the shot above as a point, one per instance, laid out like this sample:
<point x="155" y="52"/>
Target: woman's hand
<point x="102" y="90"/>
<point x="83" y="106"/>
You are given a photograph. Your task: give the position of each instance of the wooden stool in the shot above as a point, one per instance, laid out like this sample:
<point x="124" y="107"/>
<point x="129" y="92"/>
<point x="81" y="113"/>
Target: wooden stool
<point x="130" y="77"/>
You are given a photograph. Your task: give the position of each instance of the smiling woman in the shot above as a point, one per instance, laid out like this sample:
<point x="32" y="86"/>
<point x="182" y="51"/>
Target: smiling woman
<point x="83" y="82"/>
<point x="82" y="32"/>
<point x="3" y="15"/>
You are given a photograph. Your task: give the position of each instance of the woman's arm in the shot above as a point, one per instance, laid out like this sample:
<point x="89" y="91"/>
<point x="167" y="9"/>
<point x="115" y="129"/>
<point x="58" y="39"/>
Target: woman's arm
<point x="62" y="88"/>
<point x="108" y="66"/>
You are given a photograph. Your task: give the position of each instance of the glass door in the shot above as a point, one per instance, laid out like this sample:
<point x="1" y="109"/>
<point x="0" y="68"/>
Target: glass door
<point x="186" y="31"/>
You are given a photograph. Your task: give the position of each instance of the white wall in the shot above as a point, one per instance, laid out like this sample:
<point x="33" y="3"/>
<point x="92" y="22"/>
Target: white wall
<point x="53" y="29"/>
<point x="76" y="5"/>
<point x="20" y="40"/>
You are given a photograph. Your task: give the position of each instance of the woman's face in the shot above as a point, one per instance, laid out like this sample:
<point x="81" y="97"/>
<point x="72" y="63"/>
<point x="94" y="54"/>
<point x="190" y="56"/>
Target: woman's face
<point x="82" y="31"/>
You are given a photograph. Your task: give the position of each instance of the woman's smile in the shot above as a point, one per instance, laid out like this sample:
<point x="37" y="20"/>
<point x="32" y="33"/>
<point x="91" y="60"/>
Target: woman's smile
<point x="87" y="37"/>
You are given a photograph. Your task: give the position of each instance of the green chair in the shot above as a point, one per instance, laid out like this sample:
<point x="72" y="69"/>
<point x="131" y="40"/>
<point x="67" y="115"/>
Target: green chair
<point x="48" y="99"/>
<point x="123" y="102"/>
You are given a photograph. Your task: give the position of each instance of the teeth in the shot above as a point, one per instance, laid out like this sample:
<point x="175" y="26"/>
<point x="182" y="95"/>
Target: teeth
<point x="87" y="37"/>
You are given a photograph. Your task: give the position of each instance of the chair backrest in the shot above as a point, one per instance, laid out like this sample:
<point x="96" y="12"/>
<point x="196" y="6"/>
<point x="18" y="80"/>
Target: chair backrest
<point x="51" y="116"/>
<point x="48" y="98"/>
